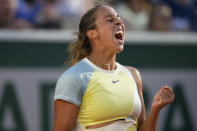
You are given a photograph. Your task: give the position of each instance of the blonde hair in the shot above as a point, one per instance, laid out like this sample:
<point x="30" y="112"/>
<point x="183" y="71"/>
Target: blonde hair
<point x="81" y="48"/>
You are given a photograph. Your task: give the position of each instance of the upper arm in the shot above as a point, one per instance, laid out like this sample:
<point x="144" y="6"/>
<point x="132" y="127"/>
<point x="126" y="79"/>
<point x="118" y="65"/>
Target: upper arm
<point x="65" y="115"/>
<point x="67" y="100"/>
<point x="136" y="75"/>
<point x="69" y="87"/>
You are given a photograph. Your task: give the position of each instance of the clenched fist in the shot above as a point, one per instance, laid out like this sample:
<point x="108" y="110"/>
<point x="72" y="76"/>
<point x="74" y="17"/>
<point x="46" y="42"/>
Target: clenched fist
<point x="163" y="97"/>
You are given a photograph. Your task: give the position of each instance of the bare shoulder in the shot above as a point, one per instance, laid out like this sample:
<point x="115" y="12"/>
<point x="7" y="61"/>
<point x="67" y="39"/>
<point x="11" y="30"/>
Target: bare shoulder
<point x="133" y="71"/>
<point x="136" y="75"/>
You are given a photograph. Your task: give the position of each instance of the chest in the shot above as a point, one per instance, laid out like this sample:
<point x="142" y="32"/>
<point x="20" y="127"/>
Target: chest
<point x="108" y="95"/>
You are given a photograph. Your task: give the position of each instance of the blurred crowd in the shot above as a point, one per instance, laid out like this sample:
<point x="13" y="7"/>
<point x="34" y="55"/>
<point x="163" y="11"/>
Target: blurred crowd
<point x="138" y="15"/>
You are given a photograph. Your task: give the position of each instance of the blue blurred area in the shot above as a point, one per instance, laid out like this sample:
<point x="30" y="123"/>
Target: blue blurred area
<point x="28" y="11"/>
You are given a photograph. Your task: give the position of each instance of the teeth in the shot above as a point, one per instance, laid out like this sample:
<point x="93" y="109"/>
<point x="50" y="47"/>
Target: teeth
<point x="119" y="32"/>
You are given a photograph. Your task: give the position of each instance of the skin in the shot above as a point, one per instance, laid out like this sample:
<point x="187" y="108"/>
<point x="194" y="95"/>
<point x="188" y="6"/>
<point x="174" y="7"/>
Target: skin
<point x="105" y="47"/>
<point x="104" y="44"/>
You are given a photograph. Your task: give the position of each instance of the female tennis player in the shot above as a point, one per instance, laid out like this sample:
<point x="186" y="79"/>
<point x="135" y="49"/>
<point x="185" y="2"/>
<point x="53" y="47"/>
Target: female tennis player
<point x="97" y="93"/>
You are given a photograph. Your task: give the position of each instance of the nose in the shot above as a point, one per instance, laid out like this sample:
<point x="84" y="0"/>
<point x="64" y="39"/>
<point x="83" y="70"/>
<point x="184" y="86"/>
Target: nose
<point x="118" y="21"/>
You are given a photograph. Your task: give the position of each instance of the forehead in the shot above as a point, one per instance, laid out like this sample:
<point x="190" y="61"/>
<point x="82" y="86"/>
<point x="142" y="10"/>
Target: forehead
<point x="105" y="11"/>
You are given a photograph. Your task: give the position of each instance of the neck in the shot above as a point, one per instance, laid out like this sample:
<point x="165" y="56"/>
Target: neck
<point x="107" y="63"/>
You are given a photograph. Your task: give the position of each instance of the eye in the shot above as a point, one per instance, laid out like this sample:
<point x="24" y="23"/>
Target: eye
<point x="110" y="20"/>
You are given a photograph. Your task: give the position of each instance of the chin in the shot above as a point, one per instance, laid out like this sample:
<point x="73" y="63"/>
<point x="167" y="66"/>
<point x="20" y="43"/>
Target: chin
<point x="118" y="45"/>
<point x="120" y="48"/>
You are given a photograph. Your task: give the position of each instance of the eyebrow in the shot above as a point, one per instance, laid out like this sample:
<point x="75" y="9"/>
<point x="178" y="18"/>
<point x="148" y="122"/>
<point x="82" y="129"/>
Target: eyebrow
<point x="107" y="16"/>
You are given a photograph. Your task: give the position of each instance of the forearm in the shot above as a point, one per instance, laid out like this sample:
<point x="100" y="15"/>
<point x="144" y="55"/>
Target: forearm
<point x="163" y="97"/>
<point x="150" y="123"/>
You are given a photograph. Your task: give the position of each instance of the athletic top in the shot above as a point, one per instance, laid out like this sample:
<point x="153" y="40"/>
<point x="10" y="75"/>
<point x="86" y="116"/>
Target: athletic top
<point x="102" y="95"/>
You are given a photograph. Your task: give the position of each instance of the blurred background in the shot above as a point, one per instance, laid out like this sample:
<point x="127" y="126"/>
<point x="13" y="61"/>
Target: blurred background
<point x="161" y="41"/>
<point x="138" y="15"/>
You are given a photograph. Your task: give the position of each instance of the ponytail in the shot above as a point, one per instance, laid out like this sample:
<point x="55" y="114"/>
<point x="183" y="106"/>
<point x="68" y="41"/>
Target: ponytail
<point x="82" y="47"/>
<point x="79" y="50"/>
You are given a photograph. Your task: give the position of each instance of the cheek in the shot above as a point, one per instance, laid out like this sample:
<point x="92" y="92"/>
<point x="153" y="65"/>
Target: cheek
<point x="105" y="31"/>
<point x="106" y="35"/>
<point x="109" y="32"/>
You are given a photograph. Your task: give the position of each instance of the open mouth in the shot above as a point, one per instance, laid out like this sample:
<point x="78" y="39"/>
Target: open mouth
<point x="119" y="35"/>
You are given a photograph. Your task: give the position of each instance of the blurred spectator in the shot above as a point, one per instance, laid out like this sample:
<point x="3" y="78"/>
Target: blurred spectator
<point x="29" y="9"/>
<point x="194" y="20"/>
<point x="113" y="3"/>
<point x="49" y="17"/>
<point x="160" y="19"/>
<point x="8" y="19"/>
<point x="177" y="15"/>
<point x="182" y="12"/>
<point x="72" y="10"/>
<point x="135" y="14"/>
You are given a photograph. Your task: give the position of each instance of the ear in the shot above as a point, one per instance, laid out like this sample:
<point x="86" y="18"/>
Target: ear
<point x="92" y="34"/>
